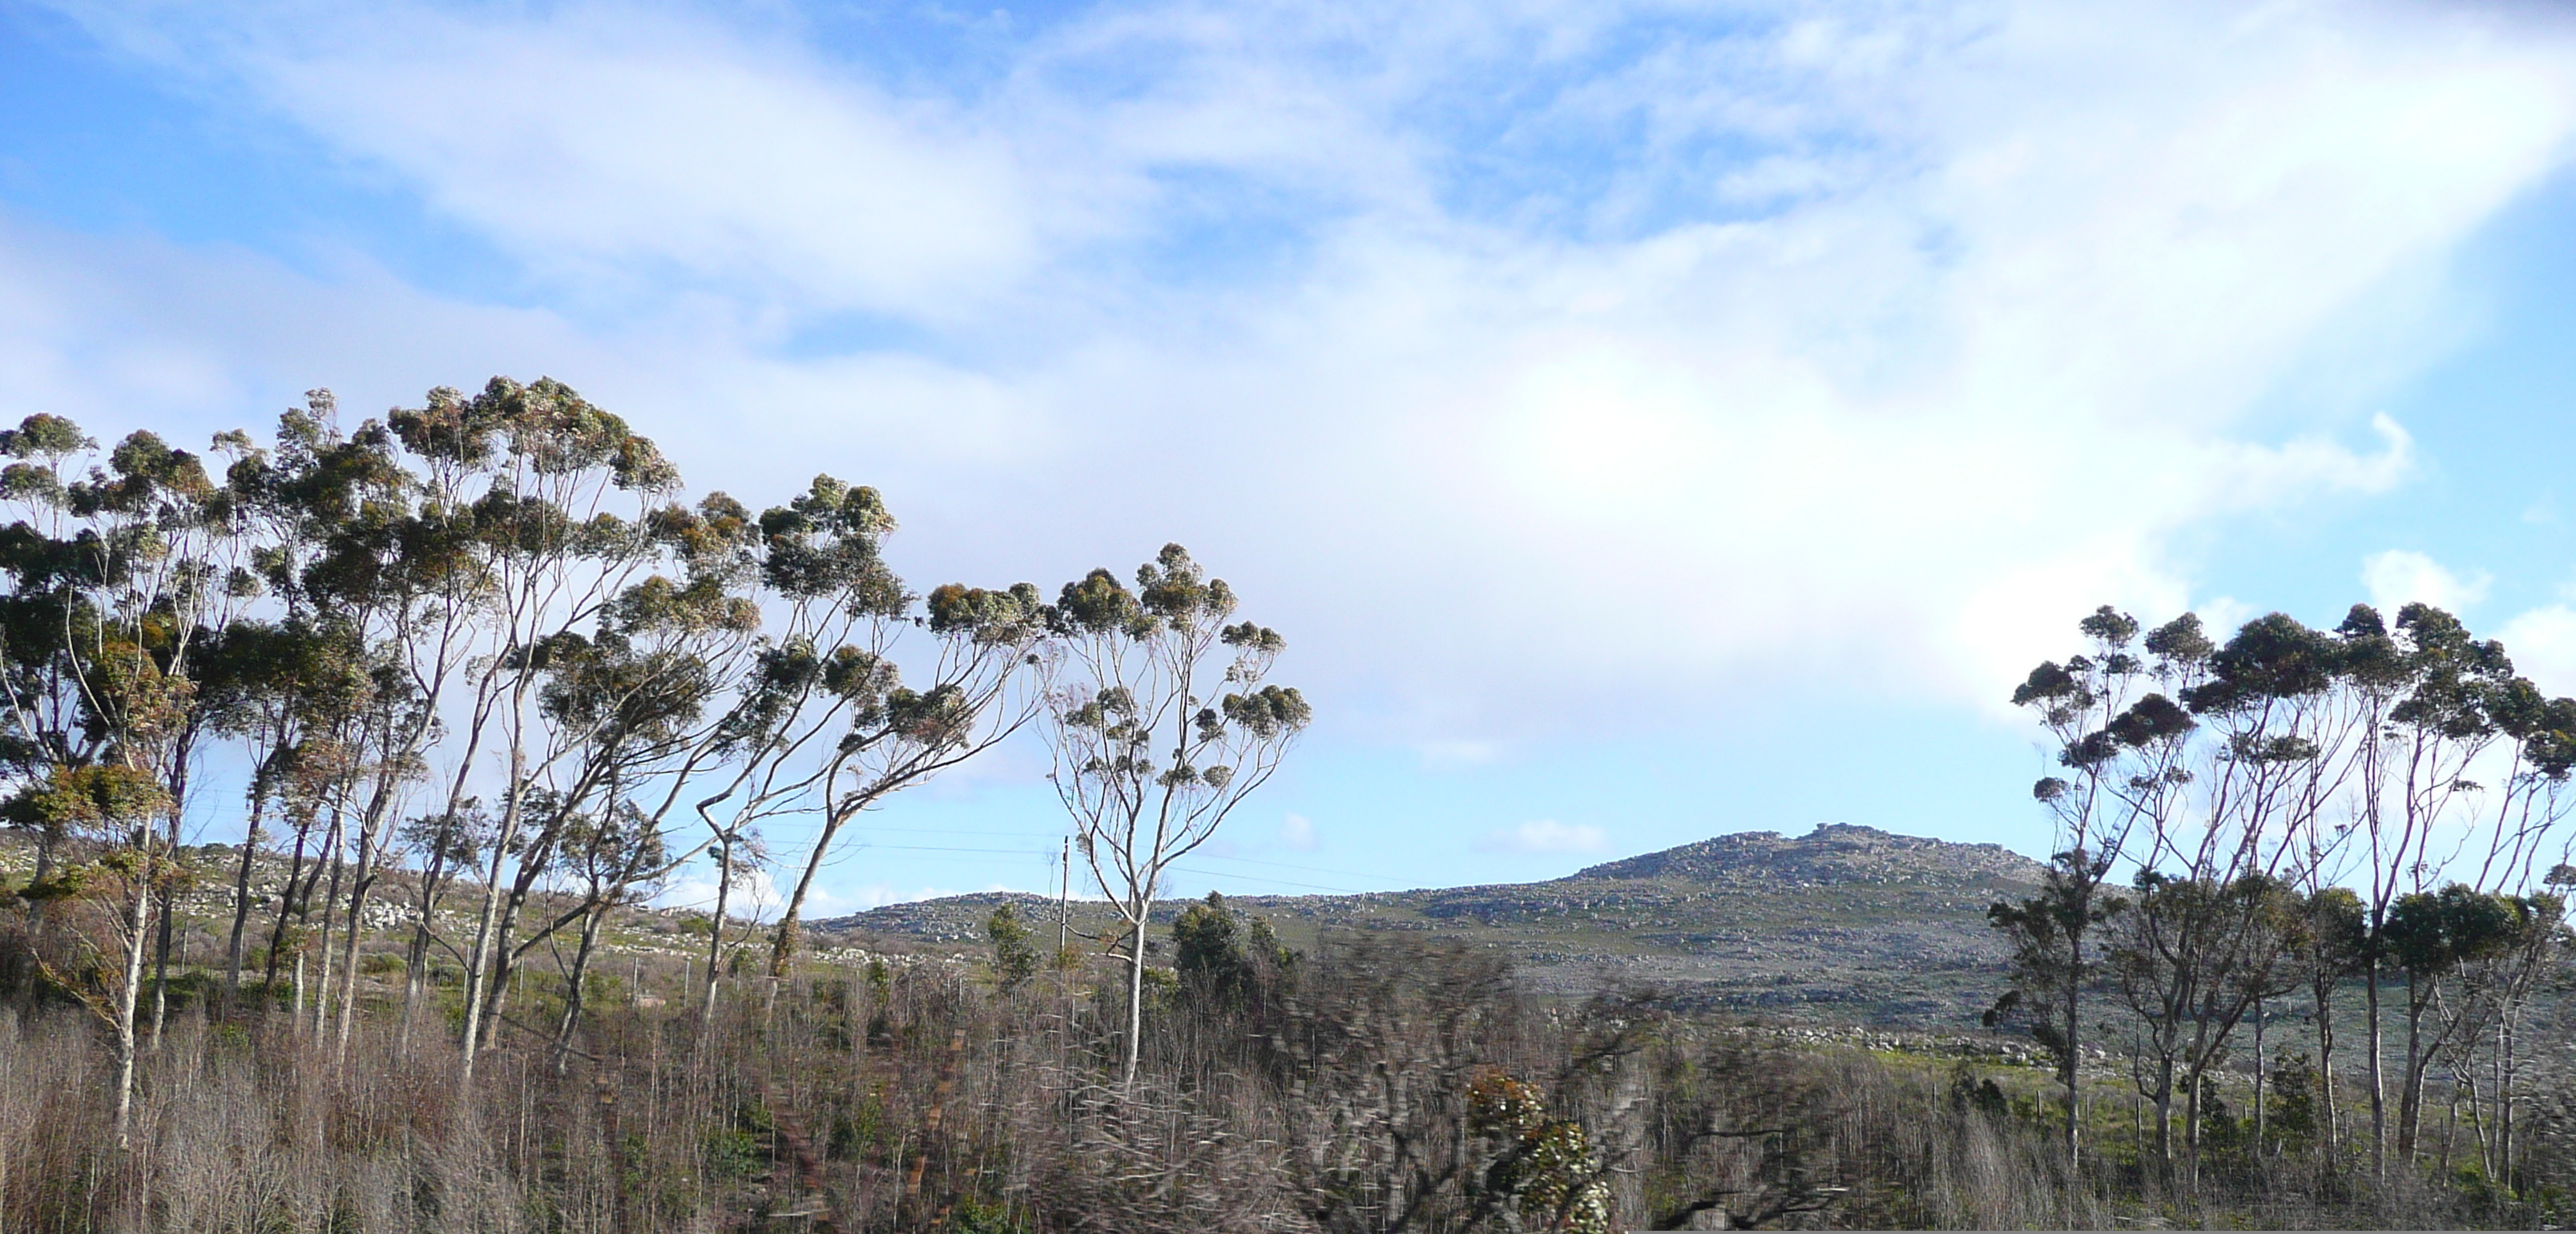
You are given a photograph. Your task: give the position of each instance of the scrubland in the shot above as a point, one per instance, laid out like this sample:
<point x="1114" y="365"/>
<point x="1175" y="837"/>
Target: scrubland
<point x="1369" y="1084"/>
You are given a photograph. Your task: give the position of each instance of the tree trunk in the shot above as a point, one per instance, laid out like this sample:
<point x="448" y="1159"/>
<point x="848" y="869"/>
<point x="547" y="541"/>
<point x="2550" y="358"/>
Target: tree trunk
<point x="2332" y="1131"/>
<point x="2503" y="1171"/>
<point x="479" y="960"/>
<point x="2378" y="1076"/>
<point x="330" y="911"/>
<point x="2163" y="1098"/>
<point x="2410" y="1095"/>
<point x="1136" y="995"/>
<point x="573" y="995"/>
<point x="782" y="946"/>
<point x="138" y="940"/>
<point x="432" y="888"/>
<point x="2262" y="1125"/>
<point x="349" y="966"/>
<point x="2191" y="1129"/>
<point x="169" y="903"/>
<point x="291" y="900"/>
<point x="371" y="837"/>
<point x="2068" y="1068"/>
<point x="715" y="935"/>
<point x="241" y="896"/>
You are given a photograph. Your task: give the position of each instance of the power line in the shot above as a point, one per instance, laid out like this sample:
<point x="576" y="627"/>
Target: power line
<point x="1348" y="891"/>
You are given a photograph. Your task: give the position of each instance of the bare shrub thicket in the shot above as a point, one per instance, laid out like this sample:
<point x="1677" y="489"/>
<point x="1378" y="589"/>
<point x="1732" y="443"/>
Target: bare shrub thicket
<point x="1371" y="1086"/>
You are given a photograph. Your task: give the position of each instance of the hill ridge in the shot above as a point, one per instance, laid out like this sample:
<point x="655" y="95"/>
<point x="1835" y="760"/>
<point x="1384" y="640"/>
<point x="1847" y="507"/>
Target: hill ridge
<point x="1832" y="852"/>
<point x="1845" y="922"/>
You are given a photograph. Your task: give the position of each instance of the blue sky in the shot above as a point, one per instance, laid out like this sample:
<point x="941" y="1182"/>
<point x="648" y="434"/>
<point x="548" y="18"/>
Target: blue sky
<point x="1645" y="421"/>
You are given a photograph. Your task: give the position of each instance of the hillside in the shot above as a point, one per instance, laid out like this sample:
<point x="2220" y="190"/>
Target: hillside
<point x="1845" y="923"/>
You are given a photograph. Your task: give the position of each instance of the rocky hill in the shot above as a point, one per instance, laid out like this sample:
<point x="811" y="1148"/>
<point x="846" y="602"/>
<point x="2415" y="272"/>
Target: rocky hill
<point x="1844" y="923"/>
<point x="1833" y="853"/>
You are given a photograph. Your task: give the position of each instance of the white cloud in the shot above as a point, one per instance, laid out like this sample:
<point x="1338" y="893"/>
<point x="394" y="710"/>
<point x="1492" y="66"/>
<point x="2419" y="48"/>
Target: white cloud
<point x="1546" y="835"/>
<point x="2399" y="576"/>
<point x="2542" y="643"/>
<point x="1297" y="834"/>
<point x="1507" y="443"/>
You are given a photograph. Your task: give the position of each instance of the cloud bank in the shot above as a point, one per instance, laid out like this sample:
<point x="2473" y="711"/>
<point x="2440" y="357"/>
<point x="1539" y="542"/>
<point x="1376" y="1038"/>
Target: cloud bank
<point x="1544" y="371"/>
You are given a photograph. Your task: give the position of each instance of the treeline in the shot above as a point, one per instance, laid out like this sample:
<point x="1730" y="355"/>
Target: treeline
<point x="484" y="645"/>
<point x="2303" y="820"/>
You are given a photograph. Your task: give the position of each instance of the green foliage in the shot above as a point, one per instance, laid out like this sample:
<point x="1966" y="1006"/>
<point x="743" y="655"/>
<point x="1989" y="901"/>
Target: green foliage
<point x="2294" y="1116"/>
<point x="1969" y="1092"/>
<point x="99" y="796"/>
<point x="1218" y="955"/>
<point x="973" y="1216"/>
<point x="2430" y="933"/>
<point x="1544" y="1171"/>
<point x="1015" y="952"/>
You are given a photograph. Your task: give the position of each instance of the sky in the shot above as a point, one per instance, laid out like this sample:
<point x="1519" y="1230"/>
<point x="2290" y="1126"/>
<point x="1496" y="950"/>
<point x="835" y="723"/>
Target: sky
<point x="1644" y="421"/>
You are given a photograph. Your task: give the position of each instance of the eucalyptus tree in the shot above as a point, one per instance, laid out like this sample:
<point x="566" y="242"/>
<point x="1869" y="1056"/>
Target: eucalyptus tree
<point x="2423" y="690"/>
<point x="821" y="555"/>
<point x="821" y="720"/>
<point x="444" y="845"/>
<point x="2327" y="947"/>
<point x="46" y="622"/>
<point x="1150" y="757"/>
<point x="899" y="736"/>
<point x="114" y="580"/>
<point x="2470" y="945"/>
<point x="2192" y="957"/>
<point x="2206" y="942"/>
<point x="270" y="684"/>
<point x="104" y="812"/>
<point x="2120" y="744"/>
<point x="616" y="858"/>
<point x="366" y="613"/>
<point x="530" y="510"/>
<point x="624" y="716"/>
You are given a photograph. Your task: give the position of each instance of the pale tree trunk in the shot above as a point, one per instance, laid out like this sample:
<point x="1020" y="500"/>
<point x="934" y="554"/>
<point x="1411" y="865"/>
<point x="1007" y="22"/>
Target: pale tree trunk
<point x="2164" y="1119"/>
<point x="2378" y="1076"/>
<point x="348" y="1006"/>
<point x="715" y="936"/>
<point x="362" y="881"/>
<point x="138" y="935"/>
<point x="478" y="962"/>
<point x="2410" y="1093"/>
<point x="2503" y="1172"/>
<point x="782" y="946"/>
<point x="169" y="903"/>
<point x="330" y="910"/>
<point x="2261" y="1064"/>
<point x="2069" y="1070"/>
<point x="1135" y="996"/>
<point x="2325" y="1068"/>
<point x="590" y="923"/>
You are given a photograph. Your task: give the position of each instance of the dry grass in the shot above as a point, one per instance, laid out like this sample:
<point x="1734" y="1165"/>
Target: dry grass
<point x="1331" y="1098"/>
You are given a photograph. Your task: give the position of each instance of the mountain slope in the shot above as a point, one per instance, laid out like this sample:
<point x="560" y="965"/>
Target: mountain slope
<point x="1843" y="923"/>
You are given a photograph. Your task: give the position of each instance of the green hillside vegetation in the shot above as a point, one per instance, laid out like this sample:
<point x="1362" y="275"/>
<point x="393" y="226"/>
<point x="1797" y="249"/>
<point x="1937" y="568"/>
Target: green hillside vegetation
<point x="1848" y="924"/>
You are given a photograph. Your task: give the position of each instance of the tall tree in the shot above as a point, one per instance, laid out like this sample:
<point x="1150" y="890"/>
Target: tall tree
<point x="543" y="497"/>
<point x="114" y="579"/>
<point x="825" y="545"/>
<point x="2120" y="749"/>
<point x="1149" y="758"/>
